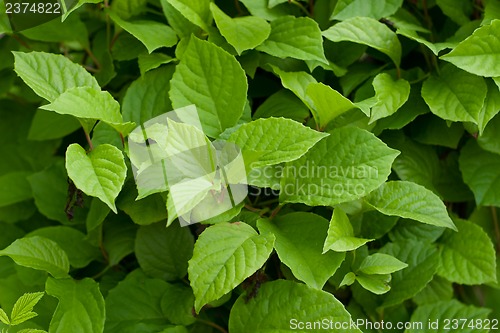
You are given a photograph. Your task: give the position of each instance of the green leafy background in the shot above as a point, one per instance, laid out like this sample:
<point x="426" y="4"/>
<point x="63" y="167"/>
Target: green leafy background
<point x="370" y="132"/>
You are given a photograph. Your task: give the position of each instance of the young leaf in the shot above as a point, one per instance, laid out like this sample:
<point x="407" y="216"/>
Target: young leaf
<point x="80" y="305"/>
<point x="196" y="11"/>
<point x="345" y="9"/>
<point x="455" y="95"/>
<point x="411" y="201"/>
<point x="23" y="308"/>
<point x="164" y="252"/>
<point x="224" y="255"/>
<point x="390" y="95"/>
<point x="321" y="177"/>
<point x="422" y="260"/>
<point x="297" y="82"/>
<point x="152" y="61"/>
<point x="101" y="173"/>
<point x="327" y="103"/>
<point x="479" y="53"/>
<point x="481" y="171"/>
<point x="438" y="312"/>
<point x="376" y="283"/>
<point x="276" y="139"/>
<point x="243" y="33"/>
<point x="4" y="318"/>
<point x="135" y="302"/>
<point x="151" y="33"/>
<point x="49" y="75"/>
<point x="367" y="31"/>
<point x="490" y="108"/>
<point x="273" y="309"/>
<point x="340" y="236"/>
<point x="89" y="104"/>
<point x="39" y="253"/>
<point x="295" y="37"/>
<point x="299" y="237"/>
<point x="467" y="256"/>
<point x="379" y="263"/>
<point x="214" y="81"/>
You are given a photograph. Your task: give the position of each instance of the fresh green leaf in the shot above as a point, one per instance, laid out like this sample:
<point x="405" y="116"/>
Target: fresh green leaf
<point x="276" y="139"/>
<point x="151" y="61"/>
<point x="81" y="305"/>
<point x="367" y="31"/>
<point x="214" y="81"/>
<point x="243" y="33"/>
<point x="299" y="239"/>
<point x="294" y="37"/>
<point x="23" y="308"/>
<point x="91" y="173"/>
<point x="390" y="96"/>
<point x="220" y="248"/>
<point x="378" y="284"/>
<point x="164" y="252"/>
<point x="152" y="34"/>
<point x="379" y="263"/>
<point x="38" y="253"/>
<point x="467" y="256"/>
<point x="196" y="11"/>
<point x="455" y="95"/>
<point x="272" y="310"/>
<point x="177" y="304"/>
<point x="50" y="75"/>
<point x="323" y="178"/>
<point x="345" y="9"/>
<point x="340" y="236"/>
<point x="412" y="201"/>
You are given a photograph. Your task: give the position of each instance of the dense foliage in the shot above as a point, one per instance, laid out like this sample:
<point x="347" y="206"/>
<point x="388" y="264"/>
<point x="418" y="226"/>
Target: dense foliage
<point x="367" y="132"/>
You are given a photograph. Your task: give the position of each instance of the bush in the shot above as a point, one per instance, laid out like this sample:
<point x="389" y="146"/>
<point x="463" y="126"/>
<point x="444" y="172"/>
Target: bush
<point x="327" y="166"/>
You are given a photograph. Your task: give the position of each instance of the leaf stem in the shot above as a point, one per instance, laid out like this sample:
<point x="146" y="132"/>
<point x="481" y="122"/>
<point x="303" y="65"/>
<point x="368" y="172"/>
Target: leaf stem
<point x="302" y="8"/>
<point x="87" y="136"/>
<point x="212" y="324"/>
<point x="495" y="224"/>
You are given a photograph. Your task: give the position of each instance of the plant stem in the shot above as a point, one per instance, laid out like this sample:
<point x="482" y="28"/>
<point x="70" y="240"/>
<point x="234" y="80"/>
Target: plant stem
<point x="495" y="224"/>
<point x="87" y="136"/>
<point x="214" y="325"/>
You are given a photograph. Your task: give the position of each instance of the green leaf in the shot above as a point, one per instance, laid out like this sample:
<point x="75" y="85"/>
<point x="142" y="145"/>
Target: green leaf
<point x="378" y="284"/>
<point x="23" y="308"/>
<point x="295" y="37"/>
<point x="144" y="211"/>
<point x="491" y="108"/>
<point x="177" y="304"/>
<point x="39" y="253"/>
<point x="327" y="103"/>
<point x="14" y="188"/>
<point x="379" y="263"/>
<point x="340" y="236"/>
<point x="79" y="251"/>
<point x="367" y="31"/>
<point x="455" y="95"/>
<point x="152" y="34"/>
<point x="196" y="11"/>
<point x="224" y="255"/>
<point x="489" y="140"/>
<point x="439" y="289"/>
<point x="81" y="306"/>
<point x="409" y="229"/>
<point x="390" y="96"/>
<point x="467" y="256"/>
<point x="439" y="312"/>
<point x="214" y="81"/>
<point x="411" y="201"/>
<point x="243" y="33"/>
<point x="345" y="9"/>
<point x="458" y="10"/>
<point x="273" y="309"/>
<point x="261" y="8"/>
<point x="282" y="104"/>
<point x="299" y="239"/>
<point x="322" y="178"/>
<point x="276" y="139"/>
<point x="49" y="75"/>
<point x="481" y="172"/>
<point x="164" y="252"/>
<point x="100" y="174"/>
<point x="76" y="6"/>
<point x="90" y="105"/>
<point x="31" y="330"/>
<point x="50" y="125"/>
<point x="135" y="300"/>
<point x="422" y="260"/>
<point x="147" y="97"/>
<point x="4" y="318"/>
<point x="118" y="239"/>
<point x="151" y="61"/>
